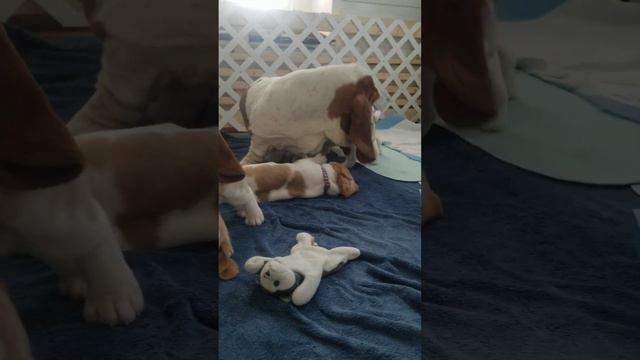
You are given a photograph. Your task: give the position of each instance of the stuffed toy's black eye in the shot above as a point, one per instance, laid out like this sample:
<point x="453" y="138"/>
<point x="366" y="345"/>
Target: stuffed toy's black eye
<point x="276" y="283"/>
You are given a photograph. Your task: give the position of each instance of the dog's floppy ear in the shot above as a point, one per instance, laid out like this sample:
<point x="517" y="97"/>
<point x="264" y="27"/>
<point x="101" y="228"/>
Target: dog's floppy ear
<point x="229" y="169"/>
<point x="256" y="263"/>
<point x="36" y="149"/>
<point x="345" y="180"/>
<point x="455" y="50"/>
<point x="361" y="128"/>
<point x="353" y="103"/>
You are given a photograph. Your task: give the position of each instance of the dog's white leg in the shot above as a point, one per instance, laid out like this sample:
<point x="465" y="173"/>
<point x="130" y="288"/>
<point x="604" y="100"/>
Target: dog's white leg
<point x="122" y="92"/>
<point x="253" y="215"/>
<point x="93" y="267"/>
<point x="257" y="151"/>
<point x="240" y="195"/>
<point x="113" y="294"/>
<point x="186" y="226"/>
<point x="350" y="159"/>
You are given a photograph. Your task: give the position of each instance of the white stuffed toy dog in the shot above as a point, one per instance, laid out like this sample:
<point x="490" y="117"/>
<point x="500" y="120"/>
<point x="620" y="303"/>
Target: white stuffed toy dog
<point x="296" y="277"/>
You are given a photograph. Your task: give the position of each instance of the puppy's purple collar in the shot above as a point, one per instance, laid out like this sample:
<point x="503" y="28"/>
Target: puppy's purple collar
<point x="325" y="180"/>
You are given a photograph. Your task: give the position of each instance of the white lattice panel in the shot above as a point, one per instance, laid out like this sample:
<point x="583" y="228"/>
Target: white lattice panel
<point x="256" y="43"/>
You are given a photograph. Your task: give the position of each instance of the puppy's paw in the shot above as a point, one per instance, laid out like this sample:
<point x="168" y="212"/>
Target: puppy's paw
<point x="254" y="216"/>
<point x="73" y="286"/>
<point x="119" y="305"/>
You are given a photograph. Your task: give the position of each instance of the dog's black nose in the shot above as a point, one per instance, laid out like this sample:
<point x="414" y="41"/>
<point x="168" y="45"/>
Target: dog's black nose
<point x="276" y="283"/>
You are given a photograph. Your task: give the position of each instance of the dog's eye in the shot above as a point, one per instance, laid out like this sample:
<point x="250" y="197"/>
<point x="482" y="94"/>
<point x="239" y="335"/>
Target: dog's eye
<point x="276" y="283"/>
<point x="267" y="273"/>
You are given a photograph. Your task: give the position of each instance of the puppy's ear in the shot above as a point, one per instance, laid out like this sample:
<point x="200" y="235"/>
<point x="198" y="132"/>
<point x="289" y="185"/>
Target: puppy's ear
<point x="36" y="149"/>
<point x="346" y="183"/>
<point x="229" y="169"/>
<point x="256" y="263"/>
<point x="463" y="93"/>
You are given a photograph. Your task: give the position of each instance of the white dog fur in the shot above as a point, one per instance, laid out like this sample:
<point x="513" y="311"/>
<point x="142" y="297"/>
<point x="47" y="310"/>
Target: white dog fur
<point x="301" y="111"/>
<point x="141" y="50"/>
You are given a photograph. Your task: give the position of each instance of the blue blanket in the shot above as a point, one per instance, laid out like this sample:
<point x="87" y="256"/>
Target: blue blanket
<point x="370" y="309"/>
<point x="180" y="285"/>
<point x="525" y="267"/>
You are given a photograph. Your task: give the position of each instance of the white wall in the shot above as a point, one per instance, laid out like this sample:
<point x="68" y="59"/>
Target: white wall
<point x="397" y="9"/>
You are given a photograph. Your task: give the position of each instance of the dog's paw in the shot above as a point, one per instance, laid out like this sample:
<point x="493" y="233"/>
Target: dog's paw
<point x="115" y="306"/>
<point x="73" y="286"/>
<point x="254" y="217"/>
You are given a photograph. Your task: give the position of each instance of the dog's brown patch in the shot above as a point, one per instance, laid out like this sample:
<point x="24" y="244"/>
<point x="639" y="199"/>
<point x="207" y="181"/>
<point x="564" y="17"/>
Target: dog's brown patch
<point x="296" y="186"/>
<point x="346" y="183"/>
<point x="157" y="172"/>
<point x="352" y="104"/>
<point x="229" y="168"/>
<point x="268" y="176"/>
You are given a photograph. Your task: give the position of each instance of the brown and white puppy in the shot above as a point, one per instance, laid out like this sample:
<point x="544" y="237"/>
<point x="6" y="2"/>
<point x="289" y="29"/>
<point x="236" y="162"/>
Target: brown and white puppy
<point x="149" y="187"/>
<point x="156" y="65"/>
<point x="299" y="112"/>
<point x="305" y="178"/>
<point x="14" y="343"/>
<point x="36" y="151"/>
<point x="469" y="76"/>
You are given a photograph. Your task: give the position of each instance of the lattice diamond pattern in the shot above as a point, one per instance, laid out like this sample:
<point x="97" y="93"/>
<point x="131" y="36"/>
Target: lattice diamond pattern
<point x="274" y="43"/>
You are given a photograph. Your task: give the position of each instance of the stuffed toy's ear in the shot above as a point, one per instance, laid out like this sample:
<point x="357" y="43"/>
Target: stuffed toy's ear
<point x="455" y="33"/>
<point x="229" y="169"/>
<point x="36" y="149"/>
<point x="256" y="263"/>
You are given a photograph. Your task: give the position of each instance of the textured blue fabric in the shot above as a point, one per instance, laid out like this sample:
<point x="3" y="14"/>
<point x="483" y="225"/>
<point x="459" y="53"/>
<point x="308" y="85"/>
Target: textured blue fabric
<point x="525" y="267"/>
<point x="180" y="285"/>
<point x="369" y="309"/>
